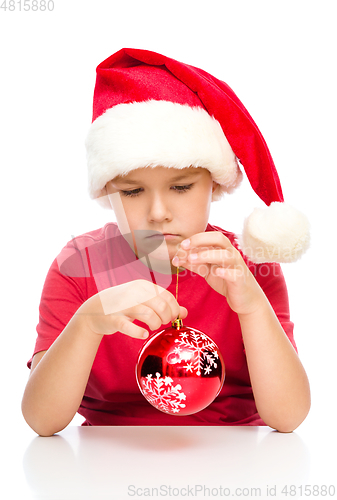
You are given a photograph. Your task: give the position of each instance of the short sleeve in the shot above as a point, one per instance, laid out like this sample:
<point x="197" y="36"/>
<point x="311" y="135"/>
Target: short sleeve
<point x="61" y="297"/>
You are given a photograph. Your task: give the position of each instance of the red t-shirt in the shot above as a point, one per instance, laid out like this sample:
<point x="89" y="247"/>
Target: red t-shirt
<point x="101" y="259"/>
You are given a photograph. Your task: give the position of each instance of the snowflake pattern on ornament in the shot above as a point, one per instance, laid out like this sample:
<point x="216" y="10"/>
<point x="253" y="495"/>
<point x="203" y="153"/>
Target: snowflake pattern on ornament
<point x="203" y="352"/>
<point x="162" y="394"/>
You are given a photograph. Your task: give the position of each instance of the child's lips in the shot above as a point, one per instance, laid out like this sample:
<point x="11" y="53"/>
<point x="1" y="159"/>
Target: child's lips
<point x="170" y="236"/>
<point x="164" y="236"/>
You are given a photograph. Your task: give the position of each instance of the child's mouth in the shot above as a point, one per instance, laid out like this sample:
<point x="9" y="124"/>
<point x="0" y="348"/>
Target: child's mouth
<point x="163" y="236"/>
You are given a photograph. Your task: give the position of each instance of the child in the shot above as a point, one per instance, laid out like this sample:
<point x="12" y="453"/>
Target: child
<point x="165" y="141"/>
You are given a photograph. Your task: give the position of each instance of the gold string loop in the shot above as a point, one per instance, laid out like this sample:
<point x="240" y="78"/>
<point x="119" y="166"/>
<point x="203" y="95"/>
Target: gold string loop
<point x="177" y="323"/>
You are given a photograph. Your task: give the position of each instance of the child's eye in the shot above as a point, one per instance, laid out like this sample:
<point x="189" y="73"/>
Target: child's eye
<point x="182" y="189"/>
<point x="132" y="192"/>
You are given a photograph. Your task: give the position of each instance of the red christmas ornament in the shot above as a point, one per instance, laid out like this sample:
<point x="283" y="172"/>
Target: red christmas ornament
<point x="180" y="370"/>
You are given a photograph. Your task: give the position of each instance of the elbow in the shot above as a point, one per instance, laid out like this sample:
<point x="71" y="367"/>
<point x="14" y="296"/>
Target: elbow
<point x="43" y="432"/>
<point x="42" y="426"/>
<point x="43" y="429"/>
<point x="285" y="427"/>
<point x="287" y="422"/>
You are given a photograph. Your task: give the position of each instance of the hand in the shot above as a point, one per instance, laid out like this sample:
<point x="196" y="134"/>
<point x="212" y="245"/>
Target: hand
<point x="212" y="256"/>
<point x="115" y="309"/>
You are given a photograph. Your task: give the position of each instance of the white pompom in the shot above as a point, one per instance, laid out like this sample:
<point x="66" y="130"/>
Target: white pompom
<point x="278" y="233"/>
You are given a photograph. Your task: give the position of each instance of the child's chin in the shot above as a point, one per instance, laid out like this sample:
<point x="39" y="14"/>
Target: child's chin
<point x="161" y="255"/>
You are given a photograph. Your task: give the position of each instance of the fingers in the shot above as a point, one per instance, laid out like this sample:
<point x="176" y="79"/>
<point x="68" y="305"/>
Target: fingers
<point x="165" y="306"/>
<point x="197" y="258"/>
<point x="230" y="274"/>
<point x="224" y="258"/>
<point x="116" y="308"/>
<point x="211" y="253"/>
<point x="200" y="244"/>
<point x="206" y="239"/>
<point x="126" y="326"/>
<point x="157" y="311"/>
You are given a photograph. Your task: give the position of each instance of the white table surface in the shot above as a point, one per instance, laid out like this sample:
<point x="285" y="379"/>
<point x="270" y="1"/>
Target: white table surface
<point x="168" y="462"/>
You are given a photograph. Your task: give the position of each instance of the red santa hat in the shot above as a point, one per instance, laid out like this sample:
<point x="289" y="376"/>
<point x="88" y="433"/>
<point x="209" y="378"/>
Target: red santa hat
<point x="150" y="110"/>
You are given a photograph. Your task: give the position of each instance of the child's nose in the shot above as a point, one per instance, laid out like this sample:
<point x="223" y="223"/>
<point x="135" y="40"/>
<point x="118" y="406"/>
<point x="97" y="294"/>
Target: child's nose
<point x="159" y="210"/>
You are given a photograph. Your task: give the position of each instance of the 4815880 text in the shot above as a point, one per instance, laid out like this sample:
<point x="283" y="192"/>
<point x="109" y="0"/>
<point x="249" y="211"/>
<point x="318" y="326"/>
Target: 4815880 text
<point x="27" y="5"/>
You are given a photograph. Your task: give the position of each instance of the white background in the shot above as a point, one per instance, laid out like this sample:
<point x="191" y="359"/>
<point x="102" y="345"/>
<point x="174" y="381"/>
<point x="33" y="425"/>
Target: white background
<point x="280" y="59"/>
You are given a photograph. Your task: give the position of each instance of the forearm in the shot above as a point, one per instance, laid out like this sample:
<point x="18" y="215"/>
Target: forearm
<point x="55" y="388"/>
<point x="280" y="385"/>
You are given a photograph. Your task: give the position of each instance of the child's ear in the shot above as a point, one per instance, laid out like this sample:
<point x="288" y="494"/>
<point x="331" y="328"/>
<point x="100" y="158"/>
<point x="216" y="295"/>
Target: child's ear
<point x="215" y="185"/>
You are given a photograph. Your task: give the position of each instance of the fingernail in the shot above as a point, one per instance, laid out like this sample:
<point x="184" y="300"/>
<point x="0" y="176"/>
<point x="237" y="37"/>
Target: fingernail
<point x="220" y="271"/>
<point x="145" y="335"/>
<point x="185" y="243"/>
<point x="175" y="261"/>
<point x="193" y="256"/>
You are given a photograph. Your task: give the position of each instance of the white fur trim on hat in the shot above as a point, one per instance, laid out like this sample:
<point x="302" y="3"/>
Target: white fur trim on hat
<point x="278" y="233"/>
<point x="158" y="133"/>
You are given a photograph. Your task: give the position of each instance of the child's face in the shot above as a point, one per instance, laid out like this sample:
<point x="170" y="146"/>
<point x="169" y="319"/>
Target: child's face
<point x="173" y="202"/>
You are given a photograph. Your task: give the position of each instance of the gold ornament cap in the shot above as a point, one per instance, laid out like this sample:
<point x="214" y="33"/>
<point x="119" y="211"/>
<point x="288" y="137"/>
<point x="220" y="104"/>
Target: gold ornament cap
<point x="177" y="323"/>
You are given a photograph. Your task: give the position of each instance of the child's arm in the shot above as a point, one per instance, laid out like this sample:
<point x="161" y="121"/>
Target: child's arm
<point x="279" y="382"/>
<point x="59" y="376"/>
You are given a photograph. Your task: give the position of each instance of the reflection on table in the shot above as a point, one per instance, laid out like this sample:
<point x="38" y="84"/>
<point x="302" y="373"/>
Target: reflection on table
<point x="121" y="462"/>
